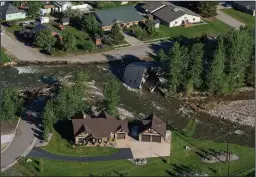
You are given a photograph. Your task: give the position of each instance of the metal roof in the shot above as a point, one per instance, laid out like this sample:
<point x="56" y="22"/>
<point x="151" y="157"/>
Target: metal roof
<point x="123" y="14"/>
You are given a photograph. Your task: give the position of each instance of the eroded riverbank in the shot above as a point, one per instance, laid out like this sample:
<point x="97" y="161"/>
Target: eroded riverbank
<point x="134" y="103"/>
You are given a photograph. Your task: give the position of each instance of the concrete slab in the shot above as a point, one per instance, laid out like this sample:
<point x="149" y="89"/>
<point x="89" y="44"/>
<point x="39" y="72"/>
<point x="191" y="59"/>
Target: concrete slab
<point x="6" y="138"/>
<point x="147" y="149"/>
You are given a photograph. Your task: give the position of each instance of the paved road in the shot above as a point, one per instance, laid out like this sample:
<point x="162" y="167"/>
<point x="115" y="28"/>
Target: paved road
<point x="26" y="53"/>
<point x="123" y="153"/>
<point x="228" y="19"/>
<point x="23" y="138"/>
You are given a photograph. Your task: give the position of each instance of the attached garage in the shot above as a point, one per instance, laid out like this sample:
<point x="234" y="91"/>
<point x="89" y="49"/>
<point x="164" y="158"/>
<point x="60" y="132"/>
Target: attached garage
<point x="156" y="138"/>
<point x="145" y="138"/>
<point x="120" y="135"/>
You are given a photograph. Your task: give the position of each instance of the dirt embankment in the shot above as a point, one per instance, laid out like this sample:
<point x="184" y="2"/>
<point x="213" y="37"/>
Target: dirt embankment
<point x="8" y="127"/>
<point x="238" y="107"/>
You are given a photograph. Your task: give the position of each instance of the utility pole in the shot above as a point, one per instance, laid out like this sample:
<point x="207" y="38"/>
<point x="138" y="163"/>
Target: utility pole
<point x="228" y="154"/>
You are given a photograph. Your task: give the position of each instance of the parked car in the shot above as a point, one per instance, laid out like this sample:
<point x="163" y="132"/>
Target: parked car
<point x="2" y="32"/>
<point x="44" y="20"/>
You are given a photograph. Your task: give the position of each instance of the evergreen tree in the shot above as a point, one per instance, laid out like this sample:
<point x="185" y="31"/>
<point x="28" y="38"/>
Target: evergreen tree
<point x="175" y="68"/>
<point x="116" y="34"/>
<point x="207" y="8"/>
<point x="34" y="8"/>
<point x="111" y="94"/>
<point x="217" y="75"/>
<point x="45" y="40"/>
<point x="68" y="41"/>
<point x="161" y="56"/>
<point x="11" y="104"/>
<point x="194" y="67"/>
<point x="89" y="24"/>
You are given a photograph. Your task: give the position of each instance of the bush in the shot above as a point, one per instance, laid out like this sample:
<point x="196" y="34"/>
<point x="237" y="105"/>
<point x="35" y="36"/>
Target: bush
<point x="87" y="46"/>
<point x="107" y="40"/>
<point x="190" y="128"/>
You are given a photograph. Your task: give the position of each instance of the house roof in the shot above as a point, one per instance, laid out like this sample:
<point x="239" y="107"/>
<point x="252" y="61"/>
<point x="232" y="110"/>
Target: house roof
<point x="63" y="20"/>
<point x="99" y="127"/>
<point x="171" y="12"/>
<point x="39" y="28"/>
<point x="124" y="14"/>
<point x="248" y="4"/>
<point x="152" y="121"/>
<point x="8" y="8"/>
<point x="152" y="6"/>
<point x="134" y="72"/>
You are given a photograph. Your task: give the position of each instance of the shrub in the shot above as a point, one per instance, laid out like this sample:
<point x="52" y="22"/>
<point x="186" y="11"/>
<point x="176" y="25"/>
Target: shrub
<point x="190" y="128"/>
<point x="87" y="46"/>
<point x="107" y="40"/>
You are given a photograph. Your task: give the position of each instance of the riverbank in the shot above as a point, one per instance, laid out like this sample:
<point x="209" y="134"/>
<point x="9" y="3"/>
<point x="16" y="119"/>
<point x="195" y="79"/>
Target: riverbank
<point x="238" y="107"/>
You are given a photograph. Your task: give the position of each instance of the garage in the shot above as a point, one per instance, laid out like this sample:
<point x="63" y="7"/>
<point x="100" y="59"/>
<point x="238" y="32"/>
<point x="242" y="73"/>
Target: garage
<point x="145" y="138"/>
<point x="120" y="135"/>
<point x="156" y="138"/>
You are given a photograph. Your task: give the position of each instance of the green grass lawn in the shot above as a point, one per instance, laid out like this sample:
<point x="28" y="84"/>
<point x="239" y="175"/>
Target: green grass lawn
<point x="60" y="146"/>
<point x="4" y="57"/>
<point x="212" y="28"/>
<point x="155" y="167"/>
<point x="240" y="16"/>
<point x="14" y="28"/>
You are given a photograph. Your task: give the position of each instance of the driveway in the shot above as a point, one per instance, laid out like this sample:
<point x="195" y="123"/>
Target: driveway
<point x="132" y="40"/>
<point x="146" y="149"/>
<point x="23" y="140"/>
<point x="227" y="19"/>
<point x="123" y="153"/>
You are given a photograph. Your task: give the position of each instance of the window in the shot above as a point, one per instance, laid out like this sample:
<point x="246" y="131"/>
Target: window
<point x="80" y="140"/>
<point x="176" y="22"/>
<point x="193" y="19"/>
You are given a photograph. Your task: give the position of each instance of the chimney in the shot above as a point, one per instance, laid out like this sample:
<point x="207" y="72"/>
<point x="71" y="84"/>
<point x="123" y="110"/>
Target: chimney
<point x="84" y="115"/>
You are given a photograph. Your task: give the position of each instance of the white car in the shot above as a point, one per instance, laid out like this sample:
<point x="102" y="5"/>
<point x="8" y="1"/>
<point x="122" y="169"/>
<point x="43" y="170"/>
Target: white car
<point x="2" y="33"/>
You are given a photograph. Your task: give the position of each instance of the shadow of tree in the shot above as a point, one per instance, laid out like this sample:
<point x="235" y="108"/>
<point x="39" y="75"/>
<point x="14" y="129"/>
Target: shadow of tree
<point x="65" y="129"/>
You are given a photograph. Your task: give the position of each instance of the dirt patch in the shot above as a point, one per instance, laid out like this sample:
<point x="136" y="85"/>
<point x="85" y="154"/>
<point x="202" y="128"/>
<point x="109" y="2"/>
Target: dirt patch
<point x="8" y="127"/>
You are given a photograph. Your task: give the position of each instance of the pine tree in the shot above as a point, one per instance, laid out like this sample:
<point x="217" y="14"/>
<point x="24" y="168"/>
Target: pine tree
<point x="217" y="75"/>
<point x="175" y="68"/>
<point x="116" y="34"/>
<point x="111" y="94"/>
<point x="68" y="41"/>
<point x="195" y="67"/>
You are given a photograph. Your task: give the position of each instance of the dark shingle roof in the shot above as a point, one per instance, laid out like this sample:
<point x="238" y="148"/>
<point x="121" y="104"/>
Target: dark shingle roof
<point x="125" y="14"/>
<point x="171" y="12"/>
<point x="248" y="4"/>
<point x="151" y="6"/>
<point x="99" y="127"/>
<point x="39" y="28"/>
<point x="8" y="8"/>
<point x="152" y="121"/>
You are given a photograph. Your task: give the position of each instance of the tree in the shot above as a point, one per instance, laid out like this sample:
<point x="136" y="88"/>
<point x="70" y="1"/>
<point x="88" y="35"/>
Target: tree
<point x="207" y="8"/>
<point x="194" y="67"/>
<point x="137" y="31"/>
<point x="116" y="34"/>
<point x="216" y="74"/>
<point x="16" y="3"/>
<point x="49" y="117"/>
<point x="161" y="56"/>
<point x="190" y="128"/>
<point x="175" y="68"/>
<point x="150" y="27"/>
<point x="45" y="40"/>
<point x="71" y="13"/>
<point x="107" y="40"/>
<point x="89" y="23"/>
<point x="34" y="8"/>
<point x="111" y="94"/>
<point x="11" y="104"/>
<point x="68" y="41"/>
<point x="87" y="45"/>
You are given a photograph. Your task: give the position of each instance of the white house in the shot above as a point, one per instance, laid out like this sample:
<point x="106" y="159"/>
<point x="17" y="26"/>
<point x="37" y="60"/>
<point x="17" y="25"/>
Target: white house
<point x="9" y="12"/>
<point x="172" y="16"/>
<point x="61" y="6"/>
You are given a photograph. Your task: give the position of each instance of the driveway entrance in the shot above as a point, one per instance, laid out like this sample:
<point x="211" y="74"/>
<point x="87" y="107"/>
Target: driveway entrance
<point x="132" y="40"/>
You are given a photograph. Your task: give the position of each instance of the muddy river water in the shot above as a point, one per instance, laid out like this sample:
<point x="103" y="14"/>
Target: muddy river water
<point x="134" y="103"/>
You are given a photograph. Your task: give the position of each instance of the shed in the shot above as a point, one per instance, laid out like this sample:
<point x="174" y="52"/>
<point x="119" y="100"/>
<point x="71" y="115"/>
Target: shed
<point x="64" y="21"/>
<point x="97" y="40"/>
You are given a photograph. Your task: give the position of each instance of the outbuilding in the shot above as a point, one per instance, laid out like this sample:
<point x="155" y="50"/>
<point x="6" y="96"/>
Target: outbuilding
<point x="64" y="21"/>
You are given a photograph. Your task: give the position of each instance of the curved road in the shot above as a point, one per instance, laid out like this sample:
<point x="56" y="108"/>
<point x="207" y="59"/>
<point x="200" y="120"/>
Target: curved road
<point x="123" y="153"/>
<point x="22" y="143"/>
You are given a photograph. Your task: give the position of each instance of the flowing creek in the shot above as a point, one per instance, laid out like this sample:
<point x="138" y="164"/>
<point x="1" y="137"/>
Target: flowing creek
<point x="137" y="103"/>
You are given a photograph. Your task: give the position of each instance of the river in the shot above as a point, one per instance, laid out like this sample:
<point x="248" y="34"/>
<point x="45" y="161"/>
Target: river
<point x="138" y="103"/>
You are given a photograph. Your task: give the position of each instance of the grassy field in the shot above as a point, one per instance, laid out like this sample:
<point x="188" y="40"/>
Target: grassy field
<point x="4" y="57"/>
<point x="60" y="146"/>
<point x="212" y="28"/>
<point x="179" y="159"/>
<point x="240" y="16"/>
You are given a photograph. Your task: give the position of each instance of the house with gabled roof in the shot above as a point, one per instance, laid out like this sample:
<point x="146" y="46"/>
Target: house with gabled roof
<point x="151" y="7"/>
<point x="9" y="12"/>
<point x="97" y="130"/>
<point x="123" y="15"/>
<point x="245" y="6"/>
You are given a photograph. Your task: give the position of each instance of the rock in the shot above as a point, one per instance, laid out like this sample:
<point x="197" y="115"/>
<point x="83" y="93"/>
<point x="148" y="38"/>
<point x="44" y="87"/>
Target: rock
<point x="187" y="148"/>
<point x="239" y="132"/>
